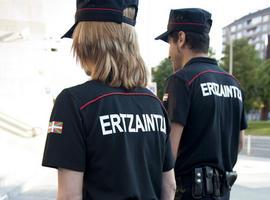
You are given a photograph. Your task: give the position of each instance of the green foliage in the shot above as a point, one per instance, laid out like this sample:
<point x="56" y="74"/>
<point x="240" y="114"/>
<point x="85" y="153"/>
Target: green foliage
<point x="245" y="67"/>
<point x="263" y="80"/>
<point x="258" y="128"/>
<point x="160" y="75"/>
<point x="211" y="53"/>
<point x="263" y="88"/>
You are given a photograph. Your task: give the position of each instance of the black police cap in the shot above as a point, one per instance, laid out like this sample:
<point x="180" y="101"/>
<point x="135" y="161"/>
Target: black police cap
<point x="187" y="20"/>
<point x="104" y="11"/>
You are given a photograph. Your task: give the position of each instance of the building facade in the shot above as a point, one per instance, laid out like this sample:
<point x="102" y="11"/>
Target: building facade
<point x="255" y="27"/>
<point x="35" y="65"/>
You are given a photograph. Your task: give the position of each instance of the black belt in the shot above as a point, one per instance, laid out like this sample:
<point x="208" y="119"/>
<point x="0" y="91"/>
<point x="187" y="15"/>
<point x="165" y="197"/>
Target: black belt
<point x="207" y="182"/>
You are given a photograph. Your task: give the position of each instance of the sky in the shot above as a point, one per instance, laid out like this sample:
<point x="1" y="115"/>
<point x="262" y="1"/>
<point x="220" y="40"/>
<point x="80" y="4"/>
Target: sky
<point x="153" y="18"/>
<point x="151" y="21"/>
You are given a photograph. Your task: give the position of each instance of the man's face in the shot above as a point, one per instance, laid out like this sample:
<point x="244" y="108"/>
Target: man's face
<point x="175" y="54"/>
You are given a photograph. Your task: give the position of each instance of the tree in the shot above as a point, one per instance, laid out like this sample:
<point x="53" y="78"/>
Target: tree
<point x="263" y="85"/>
<point x="211" y="53"/>
<point x="160" y="75"/>
<point x="164" y="70"/>
<point x="245" y="64"/>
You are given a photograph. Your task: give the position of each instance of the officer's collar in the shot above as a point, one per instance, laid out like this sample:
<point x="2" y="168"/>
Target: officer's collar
<point x="200" y="60"/>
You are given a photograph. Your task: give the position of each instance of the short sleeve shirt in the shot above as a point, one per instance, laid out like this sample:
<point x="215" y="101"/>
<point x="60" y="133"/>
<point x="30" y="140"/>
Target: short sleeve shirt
<point x="208" y="102"/>
<point x="119" y="138"/>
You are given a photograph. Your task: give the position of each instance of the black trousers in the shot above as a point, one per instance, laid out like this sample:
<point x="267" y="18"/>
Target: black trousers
<point x="184" y="192"/>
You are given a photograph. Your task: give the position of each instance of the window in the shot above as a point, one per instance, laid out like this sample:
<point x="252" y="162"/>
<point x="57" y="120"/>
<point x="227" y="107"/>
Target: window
<point x="265" y="18"/>
<point x="252" y="30"/>
<point x="256" y="39"/>
<point x="239" y="26"/>
<point x="256" y="20"/>
<point x="244" y="33"/>
<point x="258" y="46"/>
<point x="265" y="28"/>
<point x="233" y="28"/>
<point x="259" y="29"/>
<point x="239" y="35"/>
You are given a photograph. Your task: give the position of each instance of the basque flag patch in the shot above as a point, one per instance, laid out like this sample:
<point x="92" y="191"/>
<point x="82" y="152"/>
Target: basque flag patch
<point x="55" y="127"/>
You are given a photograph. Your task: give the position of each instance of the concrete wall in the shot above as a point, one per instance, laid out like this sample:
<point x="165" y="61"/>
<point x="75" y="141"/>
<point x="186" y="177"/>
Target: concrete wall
<point x="40" y="16"/>
<point x="31" y="75"/>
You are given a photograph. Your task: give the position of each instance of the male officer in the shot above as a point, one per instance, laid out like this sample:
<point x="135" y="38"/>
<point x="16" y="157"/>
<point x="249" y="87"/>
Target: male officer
<point x="205" y="106"/>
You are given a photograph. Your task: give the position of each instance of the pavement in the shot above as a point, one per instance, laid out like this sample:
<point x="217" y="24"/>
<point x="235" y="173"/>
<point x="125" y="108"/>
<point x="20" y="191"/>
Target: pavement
<point x="253" y="182"/>
<point x="23" y="178"/>
<point x="21" y="174"/>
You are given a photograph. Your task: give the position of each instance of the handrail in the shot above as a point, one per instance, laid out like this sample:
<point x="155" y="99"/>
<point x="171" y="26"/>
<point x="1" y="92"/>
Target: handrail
<point x="17" y="127"/>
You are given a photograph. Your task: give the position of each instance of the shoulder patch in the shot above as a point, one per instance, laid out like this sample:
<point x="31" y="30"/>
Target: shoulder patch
<point x="165" y="97"/>
<point x="55" y="127"/>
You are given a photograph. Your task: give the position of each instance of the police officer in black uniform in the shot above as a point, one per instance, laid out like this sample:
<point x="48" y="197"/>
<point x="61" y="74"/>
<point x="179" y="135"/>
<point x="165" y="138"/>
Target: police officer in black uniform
<point x="109" y="137"/>
<point x="205" y="106"/>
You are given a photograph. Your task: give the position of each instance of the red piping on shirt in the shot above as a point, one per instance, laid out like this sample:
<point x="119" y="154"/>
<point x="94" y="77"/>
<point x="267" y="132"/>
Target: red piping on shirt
<point x="117" y="93"/>
<point x="209" y="71"/>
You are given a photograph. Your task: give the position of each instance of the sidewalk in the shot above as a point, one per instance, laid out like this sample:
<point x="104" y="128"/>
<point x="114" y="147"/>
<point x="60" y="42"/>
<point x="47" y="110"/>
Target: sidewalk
<point x="23" y="178"/>
<point x="21" y="174"/>
<point x="253" y="182"/>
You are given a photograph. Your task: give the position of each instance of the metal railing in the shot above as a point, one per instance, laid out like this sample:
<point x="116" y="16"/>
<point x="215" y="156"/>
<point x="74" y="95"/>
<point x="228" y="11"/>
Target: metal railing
<point x="258" y="146"/>
<point x="17" y="127"/>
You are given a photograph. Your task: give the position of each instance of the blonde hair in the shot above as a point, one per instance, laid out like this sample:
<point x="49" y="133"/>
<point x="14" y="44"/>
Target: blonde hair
<point x="109" y="52"/>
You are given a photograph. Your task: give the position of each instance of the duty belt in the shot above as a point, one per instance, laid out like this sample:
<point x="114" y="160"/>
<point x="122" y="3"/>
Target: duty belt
<point x="208" y="182"/>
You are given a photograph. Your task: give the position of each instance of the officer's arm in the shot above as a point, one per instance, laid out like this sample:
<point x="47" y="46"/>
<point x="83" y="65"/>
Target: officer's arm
<point x="241" y="140"/>
<point x="70" y="184"/>
<point x="168" y="185"/>
<point x="175" y="136"/>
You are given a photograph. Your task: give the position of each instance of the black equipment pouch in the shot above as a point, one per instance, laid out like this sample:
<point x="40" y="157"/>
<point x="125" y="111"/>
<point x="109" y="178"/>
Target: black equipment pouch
<point x="211" y="182"/>
<point x="209" y="172"/>
<point x="216" y="183"/>
<point x="197" y="183"/>
<point x="230" y="178"/>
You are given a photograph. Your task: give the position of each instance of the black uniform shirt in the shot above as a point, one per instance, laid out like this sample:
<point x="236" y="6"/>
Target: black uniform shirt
<point x="117" y="137"/>
<point x="208" y="102"/>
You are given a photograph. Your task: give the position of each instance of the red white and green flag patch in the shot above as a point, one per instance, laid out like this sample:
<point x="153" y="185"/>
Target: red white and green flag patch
<point x="165" y="97"/>
<point x="55" y="127"/>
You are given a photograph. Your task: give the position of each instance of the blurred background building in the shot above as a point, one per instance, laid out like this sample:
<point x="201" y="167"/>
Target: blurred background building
<point x="35" y="65"/>
<point x="255" y="27"/>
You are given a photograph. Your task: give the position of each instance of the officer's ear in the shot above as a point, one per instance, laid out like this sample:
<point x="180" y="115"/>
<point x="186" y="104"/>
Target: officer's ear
<point x="181" y="39"/>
